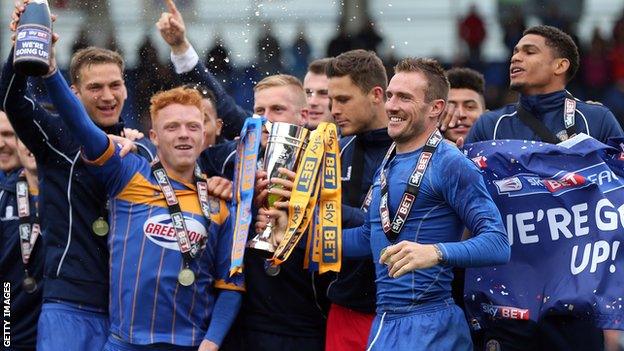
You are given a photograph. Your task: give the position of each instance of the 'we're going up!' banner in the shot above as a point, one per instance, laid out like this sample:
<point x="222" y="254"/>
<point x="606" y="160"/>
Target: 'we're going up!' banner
<point x="563" y="208"/>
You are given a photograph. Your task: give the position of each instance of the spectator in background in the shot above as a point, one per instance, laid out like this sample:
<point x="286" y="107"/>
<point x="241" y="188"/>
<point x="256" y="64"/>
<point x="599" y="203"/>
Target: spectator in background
<point x="595" y="67"/>
<point x="300" y="54"/>
<point x="152" y="76"/>
<point x="342" y="42"/>
<point x="268" y="51"/>
<point x="218" y="60"/>
<point x="512" y="21"/>
<point x="112" y="43"/>
<point x="472" y="32"/>
<point x="368" y="38"/>
<point x="616" y="55"/>
<point x="82" y="40"/>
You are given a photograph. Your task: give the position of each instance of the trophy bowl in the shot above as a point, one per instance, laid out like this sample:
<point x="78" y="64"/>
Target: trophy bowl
<point x="284" y="148"/>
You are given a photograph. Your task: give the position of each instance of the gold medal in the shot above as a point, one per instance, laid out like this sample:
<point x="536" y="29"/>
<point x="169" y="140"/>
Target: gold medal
<point x="186" y="277"/>
<point x="29" y="285"/>
<point x="381" y="253"/>
<point x="270" y="269"/>
<point x="100" y="227"/>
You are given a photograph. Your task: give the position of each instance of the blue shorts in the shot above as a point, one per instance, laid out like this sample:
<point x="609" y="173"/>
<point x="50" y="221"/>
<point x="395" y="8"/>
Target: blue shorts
<point x="64" y="327"/>
<point x="430" y="327"/>
<point x="116" y="344"/>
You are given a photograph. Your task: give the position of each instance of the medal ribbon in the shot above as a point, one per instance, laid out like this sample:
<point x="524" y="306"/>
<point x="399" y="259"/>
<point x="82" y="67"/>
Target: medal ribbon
<point x="317" y="181"/>
<point x="244" y="181"/>
<point x="393" y="229"/>
<point x="29" y="229"/>
<point x="188" y="249"/>
<point x="303" y="195"/>
<point x="330" y="214"/>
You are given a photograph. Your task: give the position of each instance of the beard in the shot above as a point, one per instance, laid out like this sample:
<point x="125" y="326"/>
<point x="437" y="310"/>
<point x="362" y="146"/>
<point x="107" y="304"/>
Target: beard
<point x="517" y="87"/>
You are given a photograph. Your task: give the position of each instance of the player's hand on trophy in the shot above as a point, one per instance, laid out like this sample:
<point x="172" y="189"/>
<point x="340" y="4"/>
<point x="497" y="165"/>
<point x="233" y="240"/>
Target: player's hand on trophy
<point x="261" y="190"/>
<point x="207" y="345"/>
<point x="408" y="256"/>
<point x="284" y="185"/>
<point x="220" y="187"/>
<point x="172" y="29"/>
<point x="15" y="16"/>
<point x="276" y="217"/>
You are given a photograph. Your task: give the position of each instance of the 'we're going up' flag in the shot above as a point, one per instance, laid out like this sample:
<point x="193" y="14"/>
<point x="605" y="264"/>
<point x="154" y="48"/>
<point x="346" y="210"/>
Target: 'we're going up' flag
<point x="563" y="208"/>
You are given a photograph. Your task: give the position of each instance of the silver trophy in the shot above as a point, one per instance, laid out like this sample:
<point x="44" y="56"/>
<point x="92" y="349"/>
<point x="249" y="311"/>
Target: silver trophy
<point x="285" y="147"/>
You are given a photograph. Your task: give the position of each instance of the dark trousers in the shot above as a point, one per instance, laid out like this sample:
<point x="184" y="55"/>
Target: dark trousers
<point x="248" y="340"/>
<point x="552" y="333"/>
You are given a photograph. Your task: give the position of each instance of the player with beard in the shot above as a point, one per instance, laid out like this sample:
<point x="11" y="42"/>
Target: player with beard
<point x="430" y="191"/>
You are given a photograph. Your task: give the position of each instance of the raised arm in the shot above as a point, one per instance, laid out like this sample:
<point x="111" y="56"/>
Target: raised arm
<point x="73" y="113"/>
<point x="191" y="70"/>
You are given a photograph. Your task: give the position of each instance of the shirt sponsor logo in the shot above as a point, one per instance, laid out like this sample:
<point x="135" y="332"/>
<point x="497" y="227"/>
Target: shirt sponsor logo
<point x="480" y="161"/>
<point x="505" y="312"/>
<point x="567" y="181"/>
<point x="159" y="229"/>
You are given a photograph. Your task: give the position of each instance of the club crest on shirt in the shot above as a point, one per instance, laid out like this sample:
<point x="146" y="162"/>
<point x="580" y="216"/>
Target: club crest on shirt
<point x="161" y="232"/>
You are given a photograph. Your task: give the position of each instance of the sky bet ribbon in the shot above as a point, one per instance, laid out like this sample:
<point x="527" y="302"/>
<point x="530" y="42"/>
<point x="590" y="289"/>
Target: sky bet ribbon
<point x="322" y="155"/>
<point x="244" y="180"/>
<point x="330" y="215"/>
<point x="563" y="209"/>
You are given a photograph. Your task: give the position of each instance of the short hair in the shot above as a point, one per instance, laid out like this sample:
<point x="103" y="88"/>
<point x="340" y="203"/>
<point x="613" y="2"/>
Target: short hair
<point x="437" y="84"/>
<point x="562" y="44"/>
<point x="466" y="78"/>
<point x="363" y="67"/>
<point x="319" y="66"/>
<point x="179" y="95"/>
<point x="282" y="80"/>
<point x="204" y="91"/>
<point x="92" y="56"/>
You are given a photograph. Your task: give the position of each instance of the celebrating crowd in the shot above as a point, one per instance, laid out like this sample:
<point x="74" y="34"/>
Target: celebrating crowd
<point x="116" y="241"/>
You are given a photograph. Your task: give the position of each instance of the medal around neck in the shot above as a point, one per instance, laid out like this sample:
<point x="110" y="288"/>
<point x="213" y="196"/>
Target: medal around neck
<point x="186" y="277"/>
<point x="100" y="227"/>
<point x="271" y="270"/>
<point x="29" y="284"/>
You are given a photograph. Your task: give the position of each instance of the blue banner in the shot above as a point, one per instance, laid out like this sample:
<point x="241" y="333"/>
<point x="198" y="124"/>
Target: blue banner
<point x="243" y="188"/>
<point x="563" y="208"/>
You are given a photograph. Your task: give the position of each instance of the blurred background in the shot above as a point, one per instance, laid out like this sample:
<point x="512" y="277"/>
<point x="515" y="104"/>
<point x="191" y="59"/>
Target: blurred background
<point x="241" y="41"/>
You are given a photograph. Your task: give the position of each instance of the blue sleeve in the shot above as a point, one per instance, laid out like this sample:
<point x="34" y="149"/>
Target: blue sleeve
<point x="465" y="191"/>
<point x="356" y="241"/>
<point x="39" y="130"/>
<point x="233" y="115"/>
<point x="352" y="216"/>
<point x="477" y="132"/>
<point x="73" y="113"/>
<point x="610" y="127"/>
<point x="225" y="310"/>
